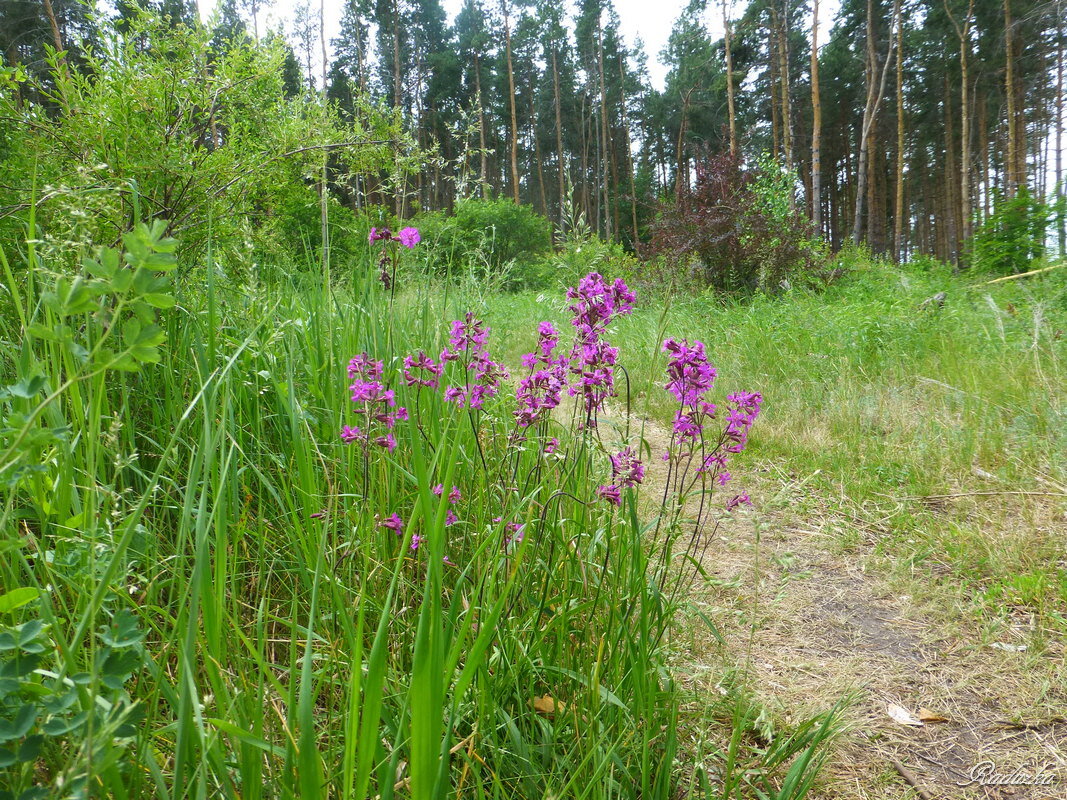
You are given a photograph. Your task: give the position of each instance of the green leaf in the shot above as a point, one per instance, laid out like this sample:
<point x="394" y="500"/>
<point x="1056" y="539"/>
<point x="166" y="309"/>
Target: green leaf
<point x="123" y="630"/>
<point x="31" y="748"/>
<point x="28" y="631"/>
<point x="20" y="725"/>
<point x="17" y="598"/>
<point x="53" y="333"/>
<point x="27" y="387"/>
<point x="57" y="726"/>
<point x="7" y="757"/>
<point x="158" y="300"/>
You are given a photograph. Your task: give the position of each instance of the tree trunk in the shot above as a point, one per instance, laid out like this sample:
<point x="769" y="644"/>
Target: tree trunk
<point x="1061" y="214"/>
<point x="898" y="205"/>
<point x="783" y="75"/>
<point x="559" y="140"/>
<point x="816" y="124"/>
<point x="481" y="126"/>
<point x="773" y="66"/>
<point x="324" y="187"/>
<point x="874" y="99"/>
<point x="730" y="79"/>
<point x="964" y="35"/>
<point x="629" y="157"/>
<point x="514" y="115"/>
<point x="604" y="154"/>
<point x="1010" y="177"/>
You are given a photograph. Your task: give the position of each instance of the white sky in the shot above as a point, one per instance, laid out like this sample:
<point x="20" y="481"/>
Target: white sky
<point x="649" y="20"/>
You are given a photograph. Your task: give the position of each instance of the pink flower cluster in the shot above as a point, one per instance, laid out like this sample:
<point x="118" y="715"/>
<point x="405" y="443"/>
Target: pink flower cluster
<point x="454" y="497"/>
<point x="690" y="378"/>
<point x="421" y="370"/>
<point x="626" y="471"/>
<point x="542" y="389"/>
<point x="408" y="237"/>
<point x="592" y="360"/>
<point x="374" y="402"/>
<point x="467" y="341"/>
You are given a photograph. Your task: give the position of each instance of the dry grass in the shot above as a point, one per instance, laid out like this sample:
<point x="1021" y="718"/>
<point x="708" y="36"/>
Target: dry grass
<point x="813" y="608"/>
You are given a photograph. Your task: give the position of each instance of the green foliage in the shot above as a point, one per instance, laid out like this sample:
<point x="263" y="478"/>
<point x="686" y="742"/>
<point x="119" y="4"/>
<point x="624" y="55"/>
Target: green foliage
<point x="207" y="138"/>
<point x="736" y="231"/>
<point x="495" y="238"/>
<point x="102" y="319"/>
<point x="83" y="719"/>
<point x="1013" y="236"/>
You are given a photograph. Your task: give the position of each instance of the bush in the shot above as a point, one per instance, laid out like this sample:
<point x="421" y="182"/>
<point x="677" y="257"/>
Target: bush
<point x="504" y="240"/>
<point x="735" y="230"/>
<point x="1013" y="235"/>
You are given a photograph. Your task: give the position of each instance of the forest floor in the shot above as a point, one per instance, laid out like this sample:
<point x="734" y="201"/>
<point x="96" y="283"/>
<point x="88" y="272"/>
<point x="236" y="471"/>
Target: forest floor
<point x="808" y="622"/>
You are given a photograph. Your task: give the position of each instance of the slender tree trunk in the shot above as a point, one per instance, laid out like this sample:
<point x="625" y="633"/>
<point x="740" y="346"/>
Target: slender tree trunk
<point x="324" y="186"/>
<point x="730" y="78"/>
<point x="773" y="67"/>
<point x="540" y="166"/>
<point x="629" y="157"/>
<point x="49" y="12"/>
<point x="679" y="178"/>
<point x="1061" y="213"/>
<point x="604" y="154"/>
<point x="560" y="158"/>
<point x="511" y="102"/>
<point x="783" y="75"/>
<point x="898" y="206"/>
<point x="1011" y="181"/>
<point x="951" y="186"/>
<point x="983" y="149"/>
<point x="481" y="126"/>
<point x="964" y="35"/>
<point x="874" y="99"/>
<point x="816" y="125"/>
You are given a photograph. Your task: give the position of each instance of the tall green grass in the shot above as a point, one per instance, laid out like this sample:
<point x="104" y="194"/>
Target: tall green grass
<point x="291" y="646"/>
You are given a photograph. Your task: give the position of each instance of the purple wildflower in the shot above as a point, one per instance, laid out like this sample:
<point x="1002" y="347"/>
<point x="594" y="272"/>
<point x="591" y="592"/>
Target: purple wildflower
<point x="626" y="468"/>
<point x="416" y="540"/>
<point x="737" y="500"/>
<point x="393" y="523"/>
<point x="409" y="237"/>
<point x="351" y="434"/>
<point x="421" y="370"/>
<point x="610" y="493"/>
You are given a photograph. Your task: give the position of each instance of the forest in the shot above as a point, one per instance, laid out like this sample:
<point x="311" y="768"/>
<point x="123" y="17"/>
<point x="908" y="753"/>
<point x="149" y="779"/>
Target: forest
<point x="465" y="399"/>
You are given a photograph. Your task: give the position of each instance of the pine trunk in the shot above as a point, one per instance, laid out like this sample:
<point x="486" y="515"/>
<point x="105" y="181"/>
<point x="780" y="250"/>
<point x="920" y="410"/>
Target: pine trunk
<point x="511" y="99"/>
<point x="816" y="124"/>
<point x="730" y="78"/>
<point x="898" y="205"/>
<point x="559" y="139"/>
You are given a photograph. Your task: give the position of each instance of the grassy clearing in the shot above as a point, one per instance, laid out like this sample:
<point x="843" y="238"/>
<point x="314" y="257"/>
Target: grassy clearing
<point x="944" y="426"/>
<point x="278" y="640"/>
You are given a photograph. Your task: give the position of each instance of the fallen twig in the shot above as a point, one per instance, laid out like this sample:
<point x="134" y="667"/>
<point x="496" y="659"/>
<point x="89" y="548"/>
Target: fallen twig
<point x="910" y="779"/>
<point x="1022" y="274"/>
<point x="985" y="494"/>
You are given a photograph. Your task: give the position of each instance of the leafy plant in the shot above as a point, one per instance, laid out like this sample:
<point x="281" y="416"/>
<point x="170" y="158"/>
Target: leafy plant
<point x="735" y="231"/>
<point x="1013" y="236"/>
<point x="87" y="715"/>
<point x="496" y="236"/>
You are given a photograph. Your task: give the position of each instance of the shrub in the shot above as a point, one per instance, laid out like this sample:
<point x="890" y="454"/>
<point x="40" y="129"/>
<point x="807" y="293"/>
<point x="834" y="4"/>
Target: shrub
<point x="1013" y="235"/>
<point x="735" y="230"/>
<point x="162" y="126"/>
<point x="496" y="236"/>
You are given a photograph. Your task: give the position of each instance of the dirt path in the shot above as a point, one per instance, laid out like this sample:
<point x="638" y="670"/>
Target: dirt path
<point x="814" y="625"/>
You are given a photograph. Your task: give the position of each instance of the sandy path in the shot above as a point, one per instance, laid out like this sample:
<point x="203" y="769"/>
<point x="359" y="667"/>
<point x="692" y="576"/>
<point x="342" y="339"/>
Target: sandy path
<point x="814" y="624"/>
